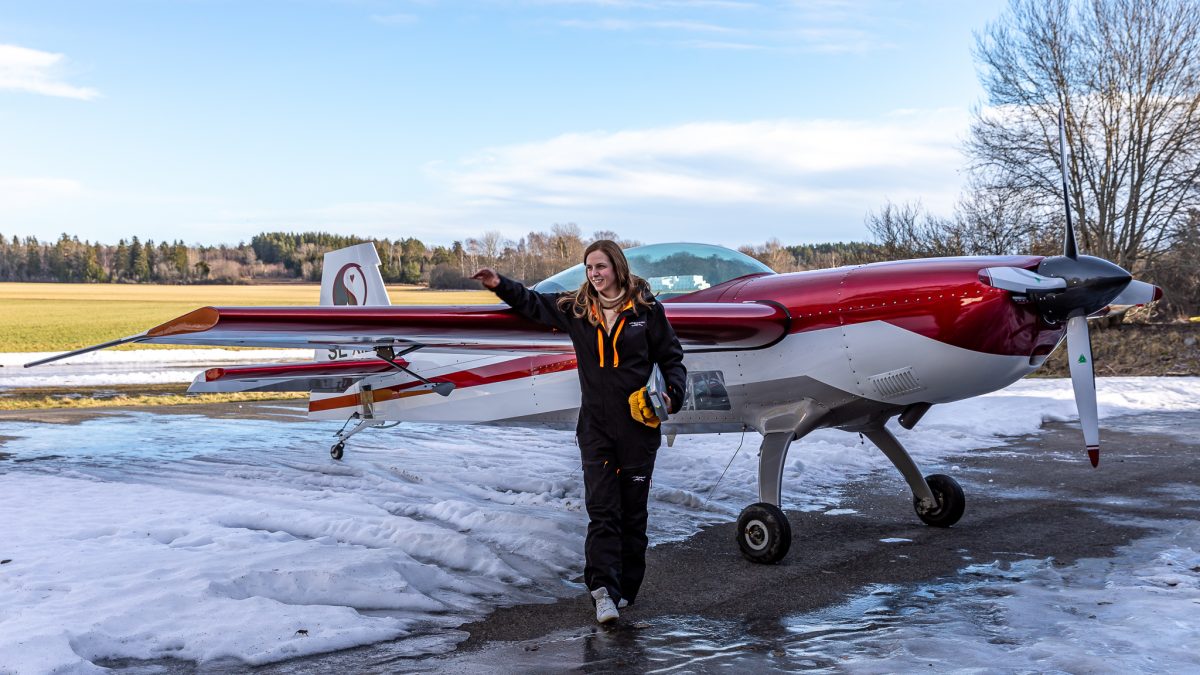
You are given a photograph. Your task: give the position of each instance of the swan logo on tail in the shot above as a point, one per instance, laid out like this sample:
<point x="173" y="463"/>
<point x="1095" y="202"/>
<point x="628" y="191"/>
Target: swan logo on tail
<point x="350" y="286"/>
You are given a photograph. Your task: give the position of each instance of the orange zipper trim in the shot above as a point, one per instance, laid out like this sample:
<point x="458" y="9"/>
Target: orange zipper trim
<point x="617" y="334"/>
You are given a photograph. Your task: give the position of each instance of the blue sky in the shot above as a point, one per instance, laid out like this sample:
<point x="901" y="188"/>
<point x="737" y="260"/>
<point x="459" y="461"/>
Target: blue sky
<point x="725" y="121"/>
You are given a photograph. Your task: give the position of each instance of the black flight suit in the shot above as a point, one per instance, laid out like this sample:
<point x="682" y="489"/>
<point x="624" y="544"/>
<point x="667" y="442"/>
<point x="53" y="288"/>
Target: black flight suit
<point x="618" y="451"/>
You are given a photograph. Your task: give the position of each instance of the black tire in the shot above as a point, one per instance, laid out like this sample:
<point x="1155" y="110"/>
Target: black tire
<point x="950" y="501"/>
<point x="763" y="533"/>
<point x="337" y="451"/>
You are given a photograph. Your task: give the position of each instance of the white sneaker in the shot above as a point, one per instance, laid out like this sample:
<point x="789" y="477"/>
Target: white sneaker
<point x="606" y="611"/>
<point x="622" y="603"/>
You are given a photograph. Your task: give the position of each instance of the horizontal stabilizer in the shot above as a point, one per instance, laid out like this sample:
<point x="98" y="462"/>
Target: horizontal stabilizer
<point x="1018" y="280"/>
<point x="318" y="376"/>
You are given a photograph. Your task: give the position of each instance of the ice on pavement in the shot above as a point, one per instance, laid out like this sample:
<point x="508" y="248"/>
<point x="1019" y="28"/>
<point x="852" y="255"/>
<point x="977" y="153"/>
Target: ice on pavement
<point x="154" y="536"/>
<point x="1093" y="616"/>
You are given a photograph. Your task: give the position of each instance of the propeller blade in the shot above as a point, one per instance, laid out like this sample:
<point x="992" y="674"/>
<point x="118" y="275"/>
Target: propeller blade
<point x="1019" y="280"/>
<point x="1069" y="249"/>
<point x="1083" y="379"/>
<point x="1137" y="293"/>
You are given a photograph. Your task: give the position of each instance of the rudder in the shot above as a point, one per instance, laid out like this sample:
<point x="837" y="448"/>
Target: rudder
<point x="351" y="277"/>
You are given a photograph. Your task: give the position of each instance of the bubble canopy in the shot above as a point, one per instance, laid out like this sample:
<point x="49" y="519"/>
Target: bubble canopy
<point x="671" y="269"/>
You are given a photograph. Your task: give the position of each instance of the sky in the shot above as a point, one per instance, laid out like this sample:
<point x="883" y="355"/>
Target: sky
<point x="723" y="121"/>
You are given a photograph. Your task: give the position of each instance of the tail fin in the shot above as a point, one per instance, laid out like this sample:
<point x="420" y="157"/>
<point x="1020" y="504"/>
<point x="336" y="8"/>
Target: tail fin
<point x="351" y="277"/>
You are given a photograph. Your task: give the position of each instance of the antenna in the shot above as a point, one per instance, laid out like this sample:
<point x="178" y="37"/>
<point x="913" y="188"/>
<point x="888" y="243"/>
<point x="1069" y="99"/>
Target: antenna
<point x="1068" y="240"/>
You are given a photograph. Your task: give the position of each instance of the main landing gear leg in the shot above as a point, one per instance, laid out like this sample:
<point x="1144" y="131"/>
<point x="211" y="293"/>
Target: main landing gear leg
<point x="764" y="534"/>
<point x="938" y="499"/>
<point x="339" y="448"/>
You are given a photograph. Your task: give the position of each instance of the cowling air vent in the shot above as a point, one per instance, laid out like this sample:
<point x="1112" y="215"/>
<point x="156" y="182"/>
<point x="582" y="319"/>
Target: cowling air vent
<point x="896" y="383"/>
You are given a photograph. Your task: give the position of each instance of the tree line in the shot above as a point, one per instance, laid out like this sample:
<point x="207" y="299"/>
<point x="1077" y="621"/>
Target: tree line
<point x="292" y="256"/>
<point x="900" y="231"/>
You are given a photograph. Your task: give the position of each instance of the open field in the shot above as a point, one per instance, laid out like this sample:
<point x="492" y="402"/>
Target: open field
<point x="117" y="396"/>
<point x="59" y="317"/>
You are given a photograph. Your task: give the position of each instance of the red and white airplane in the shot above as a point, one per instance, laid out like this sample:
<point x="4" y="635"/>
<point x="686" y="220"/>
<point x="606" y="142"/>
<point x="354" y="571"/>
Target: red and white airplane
<point x="782" y="354"/>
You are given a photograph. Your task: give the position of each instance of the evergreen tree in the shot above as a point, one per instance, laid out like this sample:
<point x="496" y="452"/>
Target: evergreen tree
<point x="120" y="262"/>
<point x="139" y="263"/>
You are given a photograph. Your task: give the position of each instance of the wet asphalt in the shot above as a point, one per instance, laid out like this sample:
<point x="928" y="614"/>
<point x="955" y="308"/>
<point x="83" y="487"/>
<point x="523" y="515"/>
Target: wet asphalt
<point x="704" y="607"/>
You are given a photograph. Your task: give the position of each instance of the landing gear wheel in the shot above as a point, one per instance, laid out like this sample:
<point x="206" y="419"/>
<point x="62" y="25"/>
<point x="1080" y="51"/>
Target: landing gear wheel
<point x="337" y="450"/>
<point x="763" y="533"/>
<point x="950" y="502"/>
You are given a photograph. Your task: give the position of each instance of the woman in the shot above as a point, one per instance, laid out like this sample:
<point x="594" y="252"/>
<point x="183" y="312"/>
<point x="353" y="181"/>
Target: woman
<point x="619" y="332"/>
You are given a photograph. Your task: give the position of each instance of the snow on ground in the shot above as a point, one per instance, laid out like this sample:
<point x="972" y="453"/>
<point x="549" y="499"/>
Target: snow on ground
<point x="169" y="536"/>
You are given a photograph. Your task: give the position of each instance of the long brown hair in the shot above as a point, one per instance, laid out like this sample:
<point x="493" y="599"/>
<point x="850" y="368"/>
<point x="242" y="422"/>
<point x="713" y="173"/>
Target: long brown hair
<point x="585" y="302"/>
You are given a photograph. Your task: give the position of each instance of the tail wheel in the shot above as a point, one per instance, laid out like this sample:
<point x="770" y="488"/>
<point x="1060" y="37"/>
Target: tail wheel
<point x="950" y="502"/>
<point x="763" y="533"/>
<point x="337" y="450"/>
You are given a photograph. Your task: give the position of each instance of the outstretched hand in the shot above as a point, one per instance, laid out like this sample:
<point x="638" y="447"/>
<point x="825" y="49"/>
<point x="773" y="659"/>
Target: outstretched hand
<point x="488" y="277"/>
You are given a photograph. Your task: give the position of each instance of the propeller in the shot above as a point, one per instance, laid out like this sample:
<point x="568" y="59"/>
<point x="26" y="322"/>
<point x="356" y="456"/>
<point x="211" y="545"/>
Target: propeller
<point x="1070" y="287"/>
<point x="1091" y="284"/>
<point x="1083" y="381"/>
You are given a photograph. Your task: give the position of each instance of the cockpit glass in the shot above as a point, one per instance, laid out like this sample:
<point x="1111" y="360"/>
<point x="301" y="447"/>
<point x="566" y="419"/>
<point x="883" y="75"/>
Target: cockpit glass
<point x="671" y="269"/>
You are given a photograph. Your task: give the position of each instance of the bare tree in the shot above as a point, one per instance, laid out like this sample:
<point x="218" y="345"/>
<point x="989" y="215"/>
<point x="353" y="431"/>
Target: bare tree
<point x="486" y="249"/>
<point x="613" y="236"/>
<point x="908" y="231"/>
<point x="566" y="243"/>
<point x="1127" y="72"/>
<point x="1177" y="273"/>
<point x="773" y="254"/>
<point x="995" y="222"/>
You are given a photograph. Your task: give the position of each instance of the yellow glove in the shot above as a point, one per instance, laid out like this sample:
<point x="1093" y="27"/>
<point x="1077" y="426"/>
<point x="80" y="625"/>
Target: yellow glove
<point x="640" y="408"/>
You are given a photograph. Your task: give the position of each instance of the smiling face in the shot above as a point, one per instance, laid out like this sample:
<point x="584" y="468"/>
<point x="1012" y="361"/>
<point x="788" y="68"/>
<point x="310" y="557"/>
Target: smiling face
<point x="600" y="273"/>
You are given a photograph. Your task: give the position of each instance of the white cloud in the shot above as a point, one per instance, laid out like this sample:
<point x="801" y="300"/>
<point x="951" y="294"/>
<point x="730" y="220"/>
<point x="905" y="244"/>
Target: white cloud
<point x="33" y="71"/>
<point x="780" y="163"/>
<point x="26" y="193"/>
<point x="724" y="182"/>
<point x="824" y="27"/>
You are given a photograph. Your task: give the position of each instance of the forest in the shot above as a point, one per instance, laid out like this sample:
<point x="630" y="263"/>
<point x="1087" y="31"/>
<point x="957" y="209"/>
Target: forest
<point x="899" y="232"/>
<point x="289" y="256"/>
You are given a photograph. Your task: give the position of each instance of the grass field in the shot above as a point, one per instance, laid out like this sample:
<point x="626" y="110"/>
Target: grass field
<point x="59" y="317"/>
<point x="116" y="396"/>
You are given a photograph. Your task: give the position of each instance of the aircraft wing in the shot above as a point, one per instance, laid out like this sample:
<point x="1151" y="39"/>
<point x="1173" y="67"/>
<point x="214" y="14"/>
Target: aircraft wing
<point x="700" y="327"/>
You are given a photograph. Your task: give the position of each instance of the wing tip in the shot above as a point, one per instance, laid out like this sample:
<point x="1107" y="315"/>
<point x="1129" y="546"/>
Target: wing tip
<point x="196" y="321"/>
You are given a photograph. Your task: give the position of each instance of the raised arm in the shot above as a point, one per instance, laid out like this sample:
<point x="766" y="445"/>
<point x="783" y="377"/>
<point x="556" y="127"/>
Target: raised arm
<point x="540" y="307"/>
